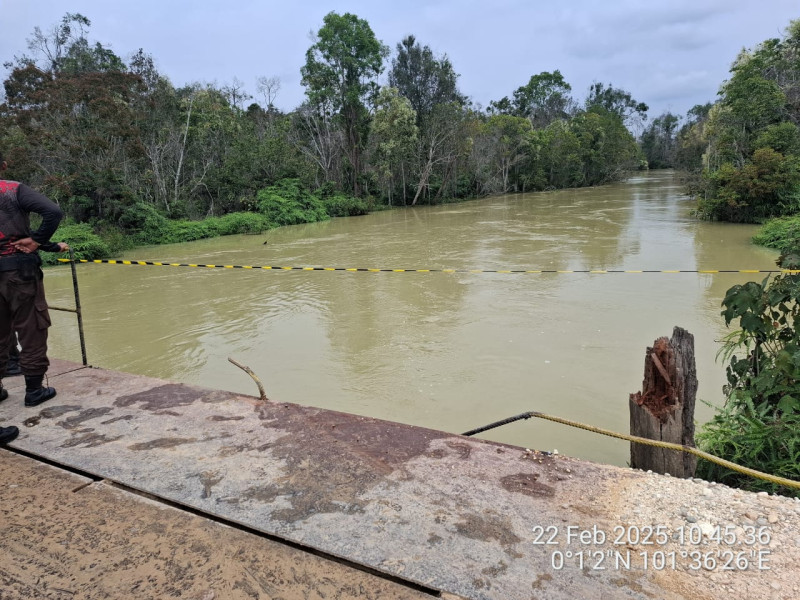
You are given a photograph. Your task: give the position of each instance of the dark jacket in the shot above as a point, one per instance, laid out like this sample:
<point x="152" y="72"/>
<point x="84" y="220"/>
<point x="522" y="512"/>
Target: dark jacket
<point x="17" y="202"/>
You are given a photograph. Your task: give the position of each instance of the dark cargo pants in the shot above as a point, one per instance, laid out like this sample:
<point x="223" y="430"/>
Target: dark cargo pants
<point x="23" y="308"/>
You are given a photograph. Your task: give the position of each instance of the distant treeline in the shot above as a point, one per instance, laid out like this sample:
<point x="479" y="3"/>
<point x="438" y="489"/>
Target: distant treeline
<point x="121" y="148"/>
<point x="117" y="145"/>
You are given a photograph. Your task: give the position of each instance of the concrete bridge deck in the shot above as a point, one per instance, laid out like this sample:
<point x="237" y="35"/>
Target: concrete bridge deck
<point x="126" y="486"/>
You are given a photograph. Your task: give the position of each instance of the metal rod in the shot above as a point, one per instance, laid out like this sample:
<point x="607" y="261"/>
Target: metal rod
<point x="526" y="415"/>
<point x="77" y="306"/>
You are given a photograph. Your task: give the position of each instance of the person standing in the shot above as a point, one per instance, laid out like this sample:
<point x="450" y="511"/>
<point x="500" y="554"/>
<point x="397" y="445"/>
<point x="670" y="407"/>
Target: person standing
<point x="22" y="302"/>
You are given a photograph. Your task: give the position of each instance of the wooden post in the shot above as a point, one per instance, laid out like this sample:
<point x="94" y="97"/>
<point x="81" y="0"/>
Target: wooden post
<point x="664" y="409"/>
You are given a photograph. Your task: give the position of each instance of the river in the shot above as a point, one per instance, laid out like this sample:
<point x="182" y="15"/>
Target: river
<point x="449" y="351"/>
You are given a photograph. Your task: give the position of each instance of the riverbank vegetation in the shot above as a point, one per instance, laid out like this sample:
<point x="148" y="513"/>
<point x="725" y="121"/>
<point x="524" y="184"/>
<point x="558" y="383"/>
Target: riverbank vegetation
<point x="759" y="426"/>
<point x="742" y="152"/>
<point x="139" y="160"/>
<point x="741" y="159"/>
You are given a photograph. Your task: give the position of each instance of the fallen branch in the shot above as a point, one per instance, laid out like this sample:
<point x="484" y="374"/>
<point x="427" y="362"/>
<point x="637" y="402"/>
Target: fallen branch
<point x="249" y="371"/>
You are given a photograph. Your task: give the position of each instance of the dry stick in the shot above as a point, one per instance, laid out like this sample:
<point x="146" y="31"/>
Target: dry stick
<point x="249" y="371"/>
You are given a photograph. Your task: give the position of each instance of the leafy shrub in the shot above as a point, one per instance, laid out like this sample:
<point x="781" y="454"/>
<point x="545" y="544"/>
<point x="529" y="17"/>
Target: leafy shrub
<point x="141" y="224"/>
<point x="782" y="137"/>
<point x="756" y="438"/>
<point x="759" y="427"/>
<point x="769" y="316"/>
<point x="782" y="233"/>
<point x="186" y="231"/>
<point x="85" y="244"/>
<point x="140" y="216"/>
<point x="764" y="187"/>
<point x="116" y="239"/>
<point x="287" y="203"/>
<point x="338" y="205"/>
<point x="345" y="206"/>
<point x="146" y="226"/>
<point x="242" y="222"/>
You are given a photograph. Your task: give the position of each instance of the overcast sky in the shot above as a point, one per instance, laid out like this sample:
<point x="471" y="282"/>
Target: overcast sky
<point x="671" y="54"/>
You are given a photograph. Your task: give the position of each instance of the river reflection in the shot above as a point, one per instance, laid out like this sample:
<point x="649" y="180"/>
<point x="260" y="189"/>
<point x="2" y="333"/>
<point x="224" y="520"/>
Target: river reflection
<point x="447" y="351"/>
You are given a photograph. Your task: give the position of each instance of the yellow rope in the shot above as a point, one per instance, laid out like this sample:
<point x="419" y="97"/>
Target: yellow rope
<point x="790" y="483"/>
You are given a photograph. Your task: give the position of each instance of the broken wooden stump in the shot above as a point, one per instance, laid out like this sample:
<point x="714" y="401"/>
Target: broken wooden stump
<point x="664" y="409"/>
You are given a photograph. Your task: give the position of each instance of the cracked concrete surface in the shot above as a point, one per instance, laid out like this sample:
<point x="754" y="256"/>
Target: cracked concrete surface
<point x="458" y="515"/>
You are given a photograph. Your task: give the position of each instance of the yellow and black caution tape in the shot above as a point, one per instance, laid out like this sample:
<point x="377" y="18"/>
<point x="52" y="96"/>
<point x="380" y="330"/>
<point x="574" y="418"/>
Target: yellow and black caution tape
<point x="790" y="483"/>
<point x="387" y="270"/>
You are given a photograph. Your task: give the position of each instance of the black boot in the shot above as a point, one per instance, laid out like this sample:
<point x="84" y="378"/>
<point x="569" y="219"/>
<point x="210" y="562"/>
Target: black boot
<point x="35" y="392"/>
<point x="3" y="392"/>
<point x="8" y="434"/>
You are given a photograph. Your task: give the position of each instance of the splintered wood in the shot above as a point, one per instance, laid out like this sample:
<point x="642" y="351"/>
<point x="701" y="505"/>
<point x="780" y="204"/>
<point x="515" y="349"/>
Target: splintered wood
<point x="664" y="409"/>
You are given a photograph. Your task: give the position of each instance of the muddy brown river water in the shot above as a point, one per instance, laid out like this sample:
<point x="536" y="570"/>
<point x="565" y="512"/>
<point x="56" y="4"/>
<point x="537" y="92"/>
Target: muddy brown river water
<point x="450" y="351"/>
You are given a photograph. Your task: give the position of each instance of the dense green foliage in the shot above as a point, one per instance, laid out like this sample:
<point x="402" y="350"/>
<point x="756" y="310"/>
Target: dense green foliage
<point x="148" y="227"/>
<point x="659" y="142"/>
<point x="286" y="203"/>
<point x="757" y="438"/>
<point x="123" y="150"/>
<point x="82" y="240"/>
<point x="766" y="185"/>
<point x="544" y="99"/>
<point x="750" y="140"/>
<point x="741" y="154"/>
<point x="782" y="234"/>
<point x="759" y="427"/>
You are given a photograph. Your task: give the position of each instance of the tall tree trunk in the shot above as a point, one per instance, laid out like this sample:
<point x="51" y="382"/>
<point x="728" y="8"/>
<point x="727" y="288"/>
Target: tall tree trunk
<point x="183" y="152"/>
<point x="403" y="173"/>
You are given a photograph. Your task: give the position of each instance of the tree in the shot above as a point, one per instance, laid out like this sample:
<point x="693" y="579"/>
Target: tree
<point x="75" y="105"/>
<point x="393" y="139"/>
<point x="542" y="100"/>
<point x="691" y="140"/>
<point x="430" y="85"/>
<point x="617" y="102"/>
<point x="269" y="88"/>
<point x="659" y="141"/>
<point x="236" y="94"/>
<point x="607" y="149"/>
<point x="751" y="156"/>
<point x="766" y="185"/>
<point x="441" y="143"/>
<point x="50" y="49"/>
<point x="559" y="163"/>
<point x="83" y="58"/>
<point x="213" y="128"/>
<point x="424" y="79"/>
<point x="81" y="135"/>
<point x="509" y="139"/>
<point x="142" y="65"/>
<point x="341" y="70"/>
<point x="317" y="138"/>
<point x="750" y="101"/>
